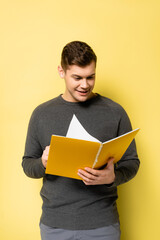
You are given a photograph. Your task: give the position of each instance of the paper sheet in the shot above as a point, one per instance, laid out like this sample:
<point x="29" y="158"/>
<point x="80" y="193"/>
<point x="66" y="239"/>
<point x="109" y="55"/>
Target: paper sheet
<point x="76" y="130"/>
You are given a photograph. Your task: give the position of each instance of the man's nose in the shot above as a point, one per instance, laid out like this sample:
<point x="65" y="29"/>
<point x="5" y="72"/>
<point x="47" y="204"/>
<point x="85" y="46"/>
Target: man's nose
<point x="84" y="83"/>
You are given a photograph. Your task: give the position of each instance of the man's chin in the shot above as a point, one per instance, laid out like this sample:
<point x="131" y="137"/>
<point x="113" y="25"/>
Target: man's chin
<point x="83" y="97"/>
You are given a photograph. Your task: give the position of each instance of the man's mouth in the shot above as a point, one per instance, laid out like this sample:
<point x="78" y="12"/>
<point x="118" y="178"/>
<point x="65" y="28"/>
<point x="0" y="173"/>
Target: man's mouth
<point x="83" y="92"/>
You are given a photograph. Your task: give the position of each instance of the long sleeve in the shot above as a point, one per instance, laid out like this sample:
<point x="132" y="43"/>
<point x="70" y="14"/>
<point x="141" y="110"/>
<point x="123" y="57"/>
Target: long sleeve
<point x="128" y="166"/>
<point x="32" y="162"/>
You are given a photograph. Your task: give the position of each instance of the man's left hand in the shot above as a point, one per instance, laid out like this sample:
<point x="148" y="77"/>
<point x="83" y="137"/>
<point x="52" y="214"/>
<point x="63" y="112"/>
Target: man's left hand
<point x="92" y="176"/>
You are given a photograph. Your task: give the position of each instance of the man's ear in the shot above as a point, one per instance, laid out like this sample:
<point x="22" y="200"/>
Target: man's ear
<point x="61" y="71"/>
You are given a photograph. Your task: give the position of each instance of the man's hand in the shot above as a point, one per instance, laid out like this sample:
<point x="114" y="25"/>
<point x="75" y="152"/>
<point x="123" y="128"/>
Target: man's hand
<point x="45" y="156"/>
<point x="91" y="176"/>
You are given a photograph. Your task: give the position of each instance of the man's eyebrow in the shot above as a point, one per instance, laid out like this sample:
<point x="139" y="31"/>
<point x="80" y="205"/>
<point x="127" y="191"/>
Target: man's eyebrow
<point x="76" y="75"/>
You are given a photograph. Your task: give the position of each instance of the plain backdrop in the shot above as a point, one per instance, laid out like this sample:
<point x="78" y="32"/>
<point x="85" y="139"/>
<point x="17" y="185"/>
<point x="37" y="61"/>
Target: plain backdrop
<point x="125" y="36"/>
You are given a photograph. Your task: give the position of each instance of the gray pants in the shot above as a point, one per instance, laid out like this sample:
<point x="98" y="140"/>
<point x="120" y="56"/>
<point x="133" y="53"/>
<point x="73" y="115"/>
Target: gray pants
<point x="111" y="232"/>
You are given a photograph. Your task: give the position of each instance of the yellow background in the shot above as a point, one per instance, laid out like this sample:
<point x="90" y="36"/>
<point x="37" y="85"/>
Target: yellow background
<point x="126" y="38"/>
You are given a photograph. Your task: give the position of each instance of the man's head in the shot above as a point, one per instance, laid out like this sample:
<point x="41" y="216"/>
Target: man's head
<point x="78" y="66"/>
<point x="77" y="53"/>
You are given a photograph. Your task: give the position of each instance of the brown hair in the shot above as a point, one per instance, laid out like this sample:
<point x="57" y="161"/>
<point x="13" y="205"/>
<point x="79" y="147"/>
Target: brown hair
<point x="77" y="53"/>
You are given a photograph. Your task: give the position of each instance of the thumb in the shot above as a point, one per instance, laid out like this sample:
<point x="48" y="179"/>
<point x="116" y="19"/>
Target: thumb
<point x="110" y="162"/>
<point x="47" y="148"/>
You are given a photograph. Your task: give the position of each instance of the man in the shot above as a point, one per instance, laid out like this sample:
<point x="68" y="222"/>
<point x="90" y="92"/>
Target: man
<point x="79" y="209"/>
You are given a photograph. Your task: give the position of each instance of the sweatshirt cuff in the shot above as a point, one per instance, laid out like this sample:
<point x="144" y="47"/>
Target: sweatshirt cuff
<point x="43" y="169"/>
<point x="119" y="177"/>
<point x="117" y="181"/>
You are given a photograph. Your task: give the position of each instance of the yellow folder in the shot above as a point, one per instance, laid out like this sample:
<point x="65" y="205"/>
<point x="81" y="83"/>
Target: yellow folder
<point x="67" y="155"/>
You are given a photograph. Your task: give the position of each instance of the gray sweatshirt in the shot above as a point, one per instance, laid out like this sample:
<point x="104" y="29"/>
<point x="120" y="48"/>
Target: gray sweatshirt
<point x="69" y="203"/>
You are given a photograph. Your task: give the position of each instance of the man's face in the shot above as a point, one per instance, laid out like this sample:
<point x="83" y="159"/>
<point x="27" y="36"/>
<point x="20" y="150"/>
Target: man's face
<point x="79" y="82"/>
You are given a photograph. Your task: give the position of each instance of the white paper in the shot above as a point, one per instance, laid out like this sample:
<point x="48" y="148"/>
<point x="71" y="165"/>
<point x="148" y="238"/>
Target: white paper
<point x="76" y="130"/>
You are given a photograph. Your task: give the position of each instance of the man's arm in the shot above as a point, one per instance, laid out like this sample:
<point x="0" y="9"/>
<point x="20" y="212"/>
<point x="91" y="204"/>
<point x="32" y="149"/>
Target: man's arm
<point x="128" y="166"/>
<point x="32" y="163"/>
<point x="121" y="172"/>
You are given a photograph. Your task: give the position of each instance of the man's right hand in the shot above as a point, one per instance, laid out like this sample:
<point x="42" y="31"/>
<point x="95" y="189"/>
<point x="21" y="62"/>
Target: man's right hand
<point x="45" y="156"/>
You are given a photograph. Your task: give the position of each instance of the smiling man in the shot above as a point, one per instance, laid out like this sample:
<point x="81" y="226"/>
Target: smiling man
<point x="79" y="209"/>
<point x="79" y="82"/>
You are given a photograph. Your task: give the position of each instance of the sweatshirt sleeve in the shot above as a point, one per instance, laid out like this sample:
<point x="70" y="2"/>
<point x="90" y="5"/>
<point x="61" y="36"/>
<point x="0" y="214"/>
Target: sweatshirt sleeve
<point x="128" y="166"/>
<point x="32" y="162"/>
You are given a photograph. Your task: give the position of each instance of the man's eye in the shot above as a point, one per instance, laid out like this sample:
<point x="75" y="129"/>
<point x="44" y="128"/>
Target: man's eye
<point x="77" y="78"/>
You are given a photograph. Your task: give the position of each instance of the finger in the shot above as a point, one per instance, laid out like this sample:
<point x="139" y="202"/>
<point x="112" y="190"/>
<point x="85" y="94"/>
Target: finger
<point x="92" y="171"/>
<point x="46" y="153"/>
<point x="86" y="180"/>
<point x="85" y="175"/>
<point x="89" y="183"/>
<point x="110" y="162"/>
<point x="111" y="159"/>
<point x="47" y="148"/>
